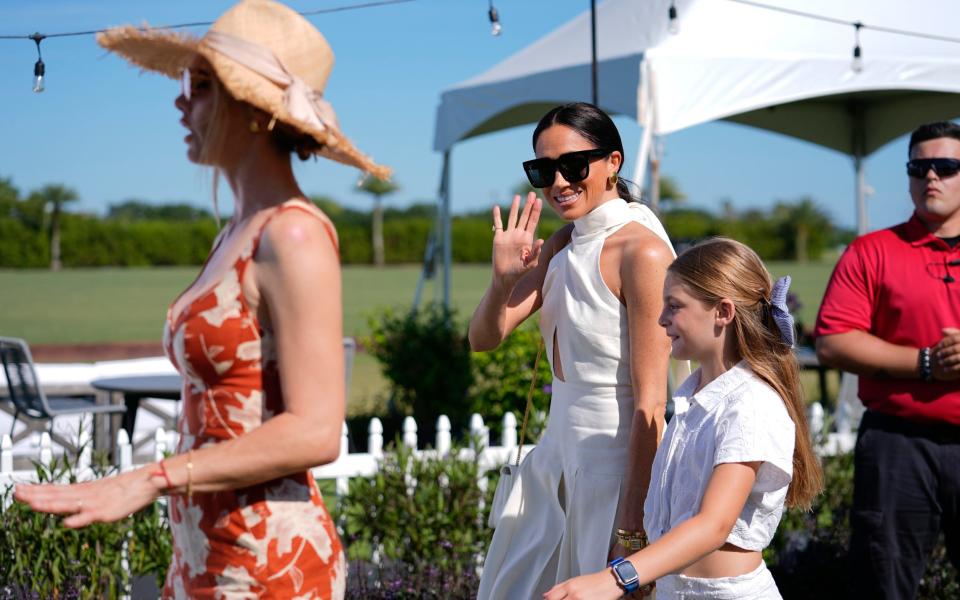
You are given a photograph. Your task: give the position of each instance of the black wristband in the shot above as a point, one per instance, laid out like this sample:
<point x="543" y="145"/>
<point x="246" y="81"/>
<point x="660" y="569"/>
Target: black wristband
<point x="925" y="365"/>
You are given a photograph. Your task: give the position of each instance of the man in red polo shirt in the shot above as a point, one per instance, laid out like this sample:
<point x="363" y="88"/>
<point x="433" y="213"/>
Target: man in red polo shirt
<point x="891" y="314"/>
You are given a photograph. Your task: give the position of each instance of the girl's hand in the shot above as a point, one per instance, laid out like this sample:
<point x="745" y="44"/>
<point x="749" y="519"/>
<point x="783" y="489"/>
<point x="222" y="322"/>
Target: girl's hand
<point x="596" y="586"/>
<point x="103" y="500"/>
<point x="514" y="249"/>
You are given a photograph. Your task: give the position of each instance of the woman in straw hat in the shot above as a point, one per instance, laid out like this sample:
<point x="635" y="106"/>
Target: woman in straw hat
<point x="258" y="335"/>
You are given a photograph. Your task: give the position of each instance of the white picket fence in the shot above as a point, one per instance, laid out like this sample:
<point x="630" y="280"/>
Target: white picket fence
<point x="366" y="464"/>
<point x="348" y="465"/>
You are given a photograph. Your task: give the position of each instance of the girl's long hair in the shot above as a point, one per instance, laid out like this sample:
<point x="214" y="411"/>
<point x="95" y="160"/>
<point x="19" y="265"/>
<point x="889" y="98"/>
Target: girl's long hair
<point x="721" y="268"/>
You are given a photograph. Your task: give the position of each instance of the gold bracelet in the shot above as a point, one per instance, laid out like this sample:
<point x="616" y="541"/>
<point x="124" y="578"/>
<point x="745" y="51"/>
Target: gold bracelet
<point x="190" y="475"/>
<point x="632" y="540"/>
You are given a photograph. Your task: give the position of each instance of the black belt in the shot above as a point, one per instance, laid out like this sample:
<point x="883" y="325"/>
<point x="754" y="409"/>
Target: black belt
<point x="937" y="432"/>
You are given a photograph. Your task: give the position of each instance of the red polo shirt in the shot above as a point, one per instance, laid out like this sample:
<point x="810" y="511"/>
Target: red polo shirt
<point x="890" y="283"/>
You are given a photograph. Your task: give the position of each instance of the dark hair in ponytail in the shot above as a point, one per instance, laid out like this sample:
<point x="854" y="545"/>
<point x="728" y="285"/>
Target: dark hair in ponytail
<point x="593" y="125"/>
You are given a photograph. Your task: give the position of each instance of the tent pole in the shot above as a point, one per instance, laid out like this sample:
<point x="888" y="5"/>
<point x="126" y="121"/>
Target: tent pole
<point x="593" y="51"/>
<point x="859" y="133"/>
<point x="860" y="186"/>
<point x="655" y="152"/>
<point x="446" y="233"/>
<point x="644" y="150"/>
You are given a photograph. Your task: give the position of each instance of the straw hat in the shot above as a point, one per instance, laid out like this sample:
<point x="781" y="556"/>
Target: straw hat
<point x="299" y="50"/>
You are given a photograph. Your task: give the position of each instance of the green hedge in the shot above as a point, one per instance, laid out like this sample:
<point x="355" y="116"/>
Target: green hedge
<point x="90" y="242"/>
<point x="135" y="233"/>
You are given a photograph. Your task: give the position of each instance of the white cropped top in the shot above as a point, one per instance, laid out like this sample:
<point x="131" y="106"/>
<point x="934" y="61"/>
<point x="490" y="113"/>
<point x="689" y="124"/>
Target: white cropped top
<point x="735" y="418"/>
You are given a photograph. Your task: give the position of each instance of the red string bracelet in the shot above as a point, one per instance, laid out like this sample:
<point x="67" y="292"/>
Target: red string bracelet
<point x="163" y="472"/>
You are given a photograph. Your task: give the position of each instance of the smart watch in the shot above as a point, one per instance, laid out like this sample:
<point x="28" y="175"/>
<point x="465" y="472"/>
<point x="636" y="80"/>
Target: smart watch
<point x="626" y="574"/>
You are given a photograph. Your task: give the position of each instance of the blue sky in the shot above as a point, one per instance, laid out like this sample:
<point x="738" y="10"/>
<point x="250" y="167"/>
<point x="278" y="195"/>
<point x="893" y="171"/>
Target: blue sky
<point x="113" y="134"/>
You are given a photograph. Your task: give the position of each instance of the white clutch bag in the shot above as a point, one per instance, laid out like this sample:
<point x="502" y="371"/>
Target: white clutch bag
<point x="510" y="484"/>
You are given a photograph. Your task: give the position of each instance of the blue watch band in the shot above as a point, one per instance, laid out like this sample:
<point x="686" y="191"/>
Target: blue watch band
<point x="626" y="574"/>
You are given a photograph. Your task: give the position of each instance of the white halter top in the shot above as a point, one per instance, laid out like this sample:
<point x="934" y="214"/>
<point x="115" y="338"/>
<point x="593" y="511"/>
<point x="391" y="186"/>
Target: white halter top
<point x="580" y="313"/>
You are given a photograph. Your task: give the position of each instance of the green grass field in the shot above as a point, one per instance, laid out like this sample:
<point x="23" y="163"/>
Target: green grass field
<point x="128" y="305"/>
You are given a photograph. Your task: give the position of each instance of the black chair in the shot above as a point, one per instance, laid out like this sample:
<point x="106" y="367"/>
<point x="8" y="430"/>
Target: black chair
<point x="29" y="400"/>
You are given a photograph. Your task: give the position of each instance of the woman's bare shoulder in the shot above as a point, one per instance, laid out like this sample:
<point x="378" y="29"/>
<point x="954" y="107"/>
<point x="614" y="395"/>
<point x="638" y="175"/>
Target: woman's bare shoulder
<point x="642" y="245"/>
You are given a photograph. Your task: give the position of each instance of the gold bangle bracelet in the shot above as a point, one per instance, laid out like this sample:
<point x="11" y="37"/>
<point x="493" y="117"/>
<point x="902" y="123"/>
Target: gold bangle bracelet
<point x="190" y="475"/>
<point x="632" y="533"/>
<point x="632" y="540"/>
<point x="632" y="543"/>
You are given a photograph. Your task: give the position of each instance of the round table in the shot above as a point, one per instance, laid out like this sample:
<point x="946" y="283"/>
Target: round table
<point x="137" y="387"/>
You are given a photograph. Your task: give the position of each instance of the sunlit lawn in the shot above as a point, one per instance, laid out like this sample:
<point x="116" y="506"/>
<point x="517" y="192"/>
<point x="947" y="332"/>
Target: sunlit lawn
<point x="128" y="305"/>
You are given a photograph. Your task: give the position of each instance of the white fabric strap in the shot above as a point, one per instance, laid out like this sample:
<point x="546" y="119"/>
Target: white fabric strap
<point x="303" y="102"/>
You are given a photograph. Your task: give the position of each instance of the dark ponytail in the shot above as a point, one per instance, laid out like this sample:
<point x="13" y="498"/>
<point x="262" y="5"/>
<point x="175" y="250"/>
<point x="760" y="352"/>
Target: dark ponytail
<point x="593" y="125"/>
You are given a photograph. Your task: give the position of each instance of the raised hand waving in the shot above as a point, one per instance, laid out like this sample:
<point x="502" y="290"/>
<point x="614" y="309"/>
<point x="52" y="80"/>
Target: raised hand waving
<point x="515" y="251"/>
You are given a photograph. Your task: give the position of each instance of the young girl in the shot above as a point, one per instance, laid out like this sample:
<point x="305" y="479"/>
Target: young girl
<point x="729" y="463"/>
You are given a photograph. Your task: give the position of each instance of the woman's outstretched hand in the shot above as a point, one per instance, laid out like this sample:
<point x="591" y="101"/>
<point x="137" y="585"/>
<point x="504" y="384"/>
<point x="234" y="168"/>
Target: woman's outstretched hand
<point x="102" y="500"/>
<point x="515" y="251"/>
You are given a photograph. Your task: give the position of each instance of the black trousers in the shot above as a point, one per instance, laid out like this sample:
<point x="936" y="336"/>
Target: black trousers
<point x="906" y="491"/>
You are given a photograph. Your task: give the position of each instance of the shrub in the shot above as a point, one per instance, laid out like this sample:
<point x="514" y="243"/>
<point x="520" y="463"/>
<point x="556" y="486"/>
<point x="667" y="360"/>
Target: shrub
<point x="21" y="246"/>
<point x="426" y="357"/>
<point x="502" y="382"/>
<point x="39" y="558"/>
<point x="426" y="517"/>
<point x="368" y="581"/>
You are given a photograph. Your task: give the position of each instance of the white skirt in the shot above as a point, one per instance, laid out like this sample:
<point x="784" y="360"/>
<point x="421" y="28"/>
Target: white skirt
<point x="560" y="522"/>
<point x="755" y="585"/>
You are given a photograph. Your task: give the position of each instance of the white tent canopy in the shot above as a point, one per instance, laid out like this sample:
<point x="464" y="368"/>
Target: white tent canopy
<point x="729" y="61"/>
<point x="733" y="60"/>
<point x="793" y="74"/>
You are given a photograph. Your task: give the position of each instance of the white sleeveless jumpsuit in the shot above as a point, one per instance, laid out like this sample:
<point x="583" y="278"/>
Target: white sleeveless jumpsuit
<point x="560" y="522"/>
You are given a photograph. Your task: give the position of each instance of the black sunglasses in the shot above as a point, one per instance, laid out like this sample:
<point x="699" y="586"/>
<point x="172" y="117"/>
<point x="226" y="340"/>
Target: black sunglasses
<point x="574" y="166"/>
<point x="943" y="167"/>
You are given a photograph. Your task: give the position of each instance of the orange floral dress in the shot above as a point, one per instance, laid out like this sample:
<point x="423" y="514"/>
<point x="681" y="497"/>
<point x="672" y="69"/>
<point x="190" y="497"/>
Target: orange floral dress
<point x="270" y="540"/>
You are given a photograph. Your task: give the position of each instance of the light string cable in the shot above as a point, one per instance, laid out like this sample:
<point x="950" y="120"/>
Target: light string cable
<point x="857" y="25"/>
<point x="857" y="63"/>
<point x="39" y="69"/>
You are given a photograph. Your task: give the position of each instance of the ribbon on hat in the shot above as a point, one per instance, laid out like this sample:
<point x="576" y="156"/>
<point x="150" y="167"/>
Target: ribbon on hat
<point x="779" y="311"/>
<point x="302" y="102"/>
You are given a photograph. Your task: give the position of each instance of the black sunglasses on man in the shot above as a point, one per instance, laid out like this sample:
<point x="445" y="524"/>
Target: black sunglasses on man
<point x="943" y="167"/>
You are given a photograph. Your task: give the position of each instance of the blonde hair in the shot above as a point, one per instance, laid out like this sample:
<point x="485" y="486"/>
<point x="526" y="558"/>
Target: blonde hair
<point x="214" y="140"/>
<point x="721" y="268"/>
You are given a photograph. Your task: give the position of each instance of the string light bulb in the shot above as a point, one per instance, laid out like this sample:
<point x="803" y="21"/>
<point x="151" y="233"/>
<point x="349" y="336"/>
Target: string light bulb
<point x="673" y="25"/>
<point x="495" y="27"/>
<point x="857" y="64"/>
<point x="39" y="69"/>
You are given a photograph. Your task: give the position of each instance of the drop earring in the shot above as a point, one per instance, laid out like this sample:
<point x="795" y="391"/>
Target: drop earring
<point x="613" y="179"/>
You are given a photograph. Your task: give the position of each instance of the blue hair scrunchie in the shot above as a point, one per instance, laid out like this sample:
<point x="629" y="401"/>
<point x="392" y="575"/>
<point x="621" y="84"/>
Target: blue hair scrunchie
<point x="780" y="312"/>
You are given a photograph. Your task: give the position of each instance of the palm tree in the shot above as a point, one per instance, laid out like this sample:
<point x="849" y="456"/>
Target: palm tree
<point x="809" y="225"/>
<point x="670" y="192"/>
<point x="54" y="196"/>
<point x="378" y="188"/>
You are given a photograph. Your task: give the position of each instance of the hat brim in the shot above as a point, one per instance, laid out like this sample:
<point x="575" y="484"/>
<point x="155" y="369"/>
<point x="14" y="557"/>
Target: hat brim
<point x="168" y="53"/>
